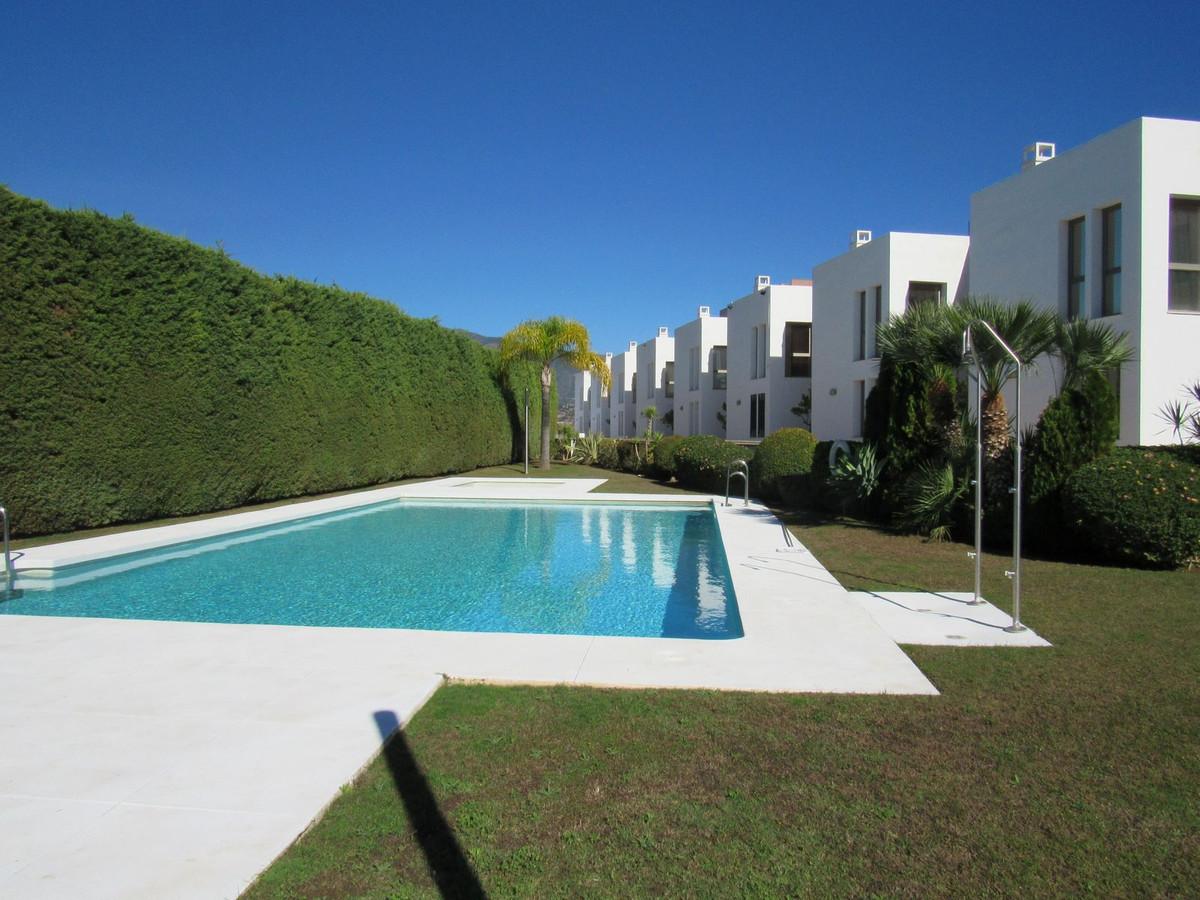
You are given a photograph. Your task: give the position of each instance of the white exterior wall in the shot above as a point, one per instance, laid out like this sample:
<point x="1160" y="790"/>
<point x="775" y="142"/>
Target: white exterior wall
<point x="1019" y="245"/>
<point x="778" y="305"/>
<point x="652" y="358"/>
<point x="598" y="418"/>
<point x="583" y="390"/>
<point x="701" y="335"/>
<point x="889" y="262"/>
<point x="620" y="398"/>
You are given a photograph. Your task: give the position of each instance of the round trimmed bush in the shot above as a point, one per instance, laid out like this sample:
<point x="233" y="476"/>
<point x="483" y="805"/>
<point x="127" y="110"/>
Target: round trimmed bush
<point x="783" y="454"/>
<point x="1138" y="505"/>
<point x="631" y="456"/>
<point x="701" y="460"/>
<point x="664" y="457"/>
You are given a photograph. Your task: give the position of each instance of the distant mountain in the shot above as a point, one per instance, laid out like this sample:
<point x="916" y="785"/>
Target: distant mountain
<point x="564" y="375"/>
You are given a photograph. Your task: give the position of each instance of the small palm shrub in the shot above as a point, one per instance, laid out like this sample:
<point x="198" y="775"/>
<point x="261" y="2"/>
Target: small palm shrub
<point x="930" y="500"/>
<point x="785" y="453"/>
<point x="1138" y="505"/>
<point x="701" y="461"/>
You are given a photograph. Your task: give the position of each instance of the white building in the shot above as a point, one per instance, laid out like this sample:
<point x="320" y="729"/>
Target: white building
<point x="591" y="401"/>
<point x="770" y="358"/>
<point x="852" y="295"/>
<point x="598" y="419"/>
<point x="1109" y="230"/>
<point x="621" y="406"/>
<point x="700" y="374"/>
<point x="655" y="385"/>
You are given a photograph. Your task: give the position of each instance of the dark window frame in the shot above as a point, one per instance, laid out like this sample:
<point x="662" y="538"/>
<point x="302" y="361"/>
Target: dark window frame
<point x="1076" y="266"/>
<point x="797" y="363"/>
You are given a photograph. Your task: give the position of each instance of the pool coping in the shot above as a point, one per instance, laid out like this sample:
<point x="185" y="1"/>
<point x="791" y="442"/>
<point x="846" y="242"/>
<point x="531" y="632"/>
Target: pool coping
<point x="801" y="631"/>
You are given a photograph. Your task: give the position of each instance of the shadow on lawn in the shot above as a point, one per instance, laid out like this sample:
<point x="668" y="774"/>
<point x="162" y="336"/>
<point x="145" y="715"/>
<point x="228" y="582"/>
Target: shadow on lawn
<point x="448" y="864"/>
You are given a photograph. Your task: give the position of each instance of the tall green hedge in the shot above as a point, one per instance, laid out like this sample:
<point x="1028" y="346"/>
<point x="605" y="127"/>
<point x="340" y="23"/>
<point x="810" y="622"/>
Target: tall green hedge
<point x="144" y="376"/>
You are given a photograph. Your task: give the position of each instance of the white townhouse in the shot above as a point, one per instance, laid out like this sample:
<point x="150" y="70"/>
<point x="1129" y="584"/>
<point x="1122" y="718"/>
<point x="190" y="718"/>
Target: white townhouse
<point x="598" y="419"/>
<point x="591" y="401"/>
<point x="655" y="380"/>
<point x="770" y="358"/>
<point x="621" y="404"/>
<point x="1109" y="231"/>
<point x="701" y="351"/>
<point x="853" y="294"/>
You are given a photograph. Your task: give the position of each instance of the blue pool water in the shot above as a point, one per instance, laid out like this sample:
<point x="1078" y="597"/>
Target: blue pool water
<point x="543" y="568"/>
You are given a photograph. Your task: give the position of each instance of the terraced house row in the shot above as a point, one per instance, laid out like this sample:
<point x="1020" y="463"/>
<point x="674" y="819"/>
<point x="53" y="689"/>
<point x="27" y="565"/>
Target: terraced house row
<point x="1109" y="230"/>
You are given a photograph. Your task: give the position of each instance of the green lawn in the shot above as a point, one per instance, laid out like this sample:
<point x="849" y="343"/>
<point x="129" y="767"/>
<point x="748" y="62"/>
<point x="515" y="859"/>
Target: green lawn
<point x="1074" y="770"/>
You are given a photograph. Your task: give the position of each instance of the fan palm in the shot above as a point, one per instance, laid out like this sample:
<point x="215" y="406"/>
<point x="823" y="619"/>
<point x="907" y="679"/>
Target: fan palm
<point x="542" y="342"/>
<point x="1084" y="346"/>
<point x="1025" y="328"/>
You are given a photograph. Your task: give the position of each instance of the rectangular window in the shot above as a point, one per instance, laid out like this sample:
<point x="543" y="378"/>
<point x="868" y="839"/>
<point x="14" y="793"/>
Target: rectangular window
<point x="668" y="379"/>
<point x="633" y="381"/>
<point x="920" y="292"/>
<point x="1110" y="303"/>
<point x="760" y="351"/>
<point x="754" y="353"/>
<point x="1076" y="267"/>
<point x="1183" y="291"/>
<point x="877" y="319"/>
<point x="720" y="372"/>
<point x="694" y="369"/>
<point x="694" y="417"/>
<point x="797" y="357"/>
<point x="860" y="346"/>
<point x="758" y="415"/>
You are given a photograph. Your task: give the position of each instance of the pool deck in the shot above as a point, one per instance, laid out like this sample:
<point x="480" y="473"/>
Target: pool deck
<point x="151" y="759"/>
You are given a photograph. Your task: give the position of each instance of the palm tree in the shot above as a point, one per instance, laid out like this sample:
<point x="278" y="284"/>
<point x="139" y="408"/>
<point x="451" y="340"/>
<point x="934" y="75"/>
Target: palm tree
<point x="929" y="337"/>
<point x="1085" y="347"/>
<point x="542" y="342"/>
<point x="1029" y="331"/>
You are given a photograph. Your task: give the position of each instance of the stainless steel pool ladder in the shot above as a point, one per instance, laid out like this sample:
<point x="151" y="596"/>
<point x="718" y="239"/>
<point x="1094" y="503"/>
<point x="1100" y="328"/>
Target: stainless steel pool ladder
<point x="9" y="574"/>
<point x="741" y="468"/>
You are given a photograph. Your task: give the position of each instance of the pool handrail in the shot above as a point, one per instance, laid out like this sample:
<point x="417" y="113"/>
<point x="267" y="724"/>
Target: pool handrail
<point x="9" y="575"/>
<point x="741" y="468"/>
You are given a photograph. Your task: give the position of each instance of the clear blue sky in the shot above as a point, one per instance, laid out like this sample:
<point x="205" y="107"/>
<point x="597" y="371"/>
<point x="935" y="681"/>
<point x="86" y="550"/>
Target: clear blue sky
<point x="617" y="163"/>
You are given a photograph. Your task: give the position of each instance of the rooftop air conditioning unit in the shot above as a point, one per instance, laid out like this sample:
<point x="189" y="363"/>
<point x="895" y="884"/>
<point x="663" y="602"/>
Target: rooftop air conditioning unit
<point x="861" y="236"/>
<point x="703" y="312"/>
<point x="761" y="283"/>
<point x="1036" y="154"/>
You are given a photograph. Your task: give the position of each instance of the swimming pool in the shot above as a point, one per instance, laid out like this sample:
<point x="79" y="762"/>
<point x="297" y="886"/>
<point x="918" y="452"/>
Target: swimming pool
<point x="546" y="568"/>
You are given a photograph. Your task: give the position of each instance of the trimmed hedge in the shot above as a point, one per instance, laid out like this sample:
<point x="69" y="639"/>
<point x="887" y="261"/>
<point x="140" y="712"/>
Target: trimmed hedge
<point x="145" y="376"/>
<point x="1138" y="505"/>
<point x="785" y="453"/>
<point x="700" y="461"/>
<point x="663" y="465"/>
<point x="1077" y="426"/>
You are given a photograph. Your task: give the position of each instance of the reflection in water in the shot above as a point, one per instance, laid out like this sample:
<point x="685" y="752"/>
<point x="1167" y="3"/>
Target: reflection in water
<point x="585" y="530"/>
<point x="660" y="567"/>
<point x="605" y="533"/>
<point x="628" y="547"/>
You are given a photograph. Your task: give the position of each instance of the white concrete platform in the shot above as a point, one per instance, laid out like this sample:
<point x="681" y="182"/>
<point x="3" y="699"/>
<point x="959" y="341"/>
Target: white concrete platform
<point x="152" y="759"/>
<point x="946" y="618"/>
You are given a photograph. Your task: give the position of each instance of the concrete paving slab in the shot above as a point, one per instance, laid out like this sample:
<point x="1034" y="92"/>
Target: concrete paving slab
<point x="942" y="619"/>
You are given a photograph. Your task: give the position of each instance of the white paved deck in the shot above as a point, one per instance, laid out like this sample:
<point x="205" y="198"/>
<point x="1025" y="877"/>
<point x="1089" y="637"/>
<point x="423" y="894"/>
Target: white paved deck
<point x="167" y="759"/>
<point x="945" y="618"/>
